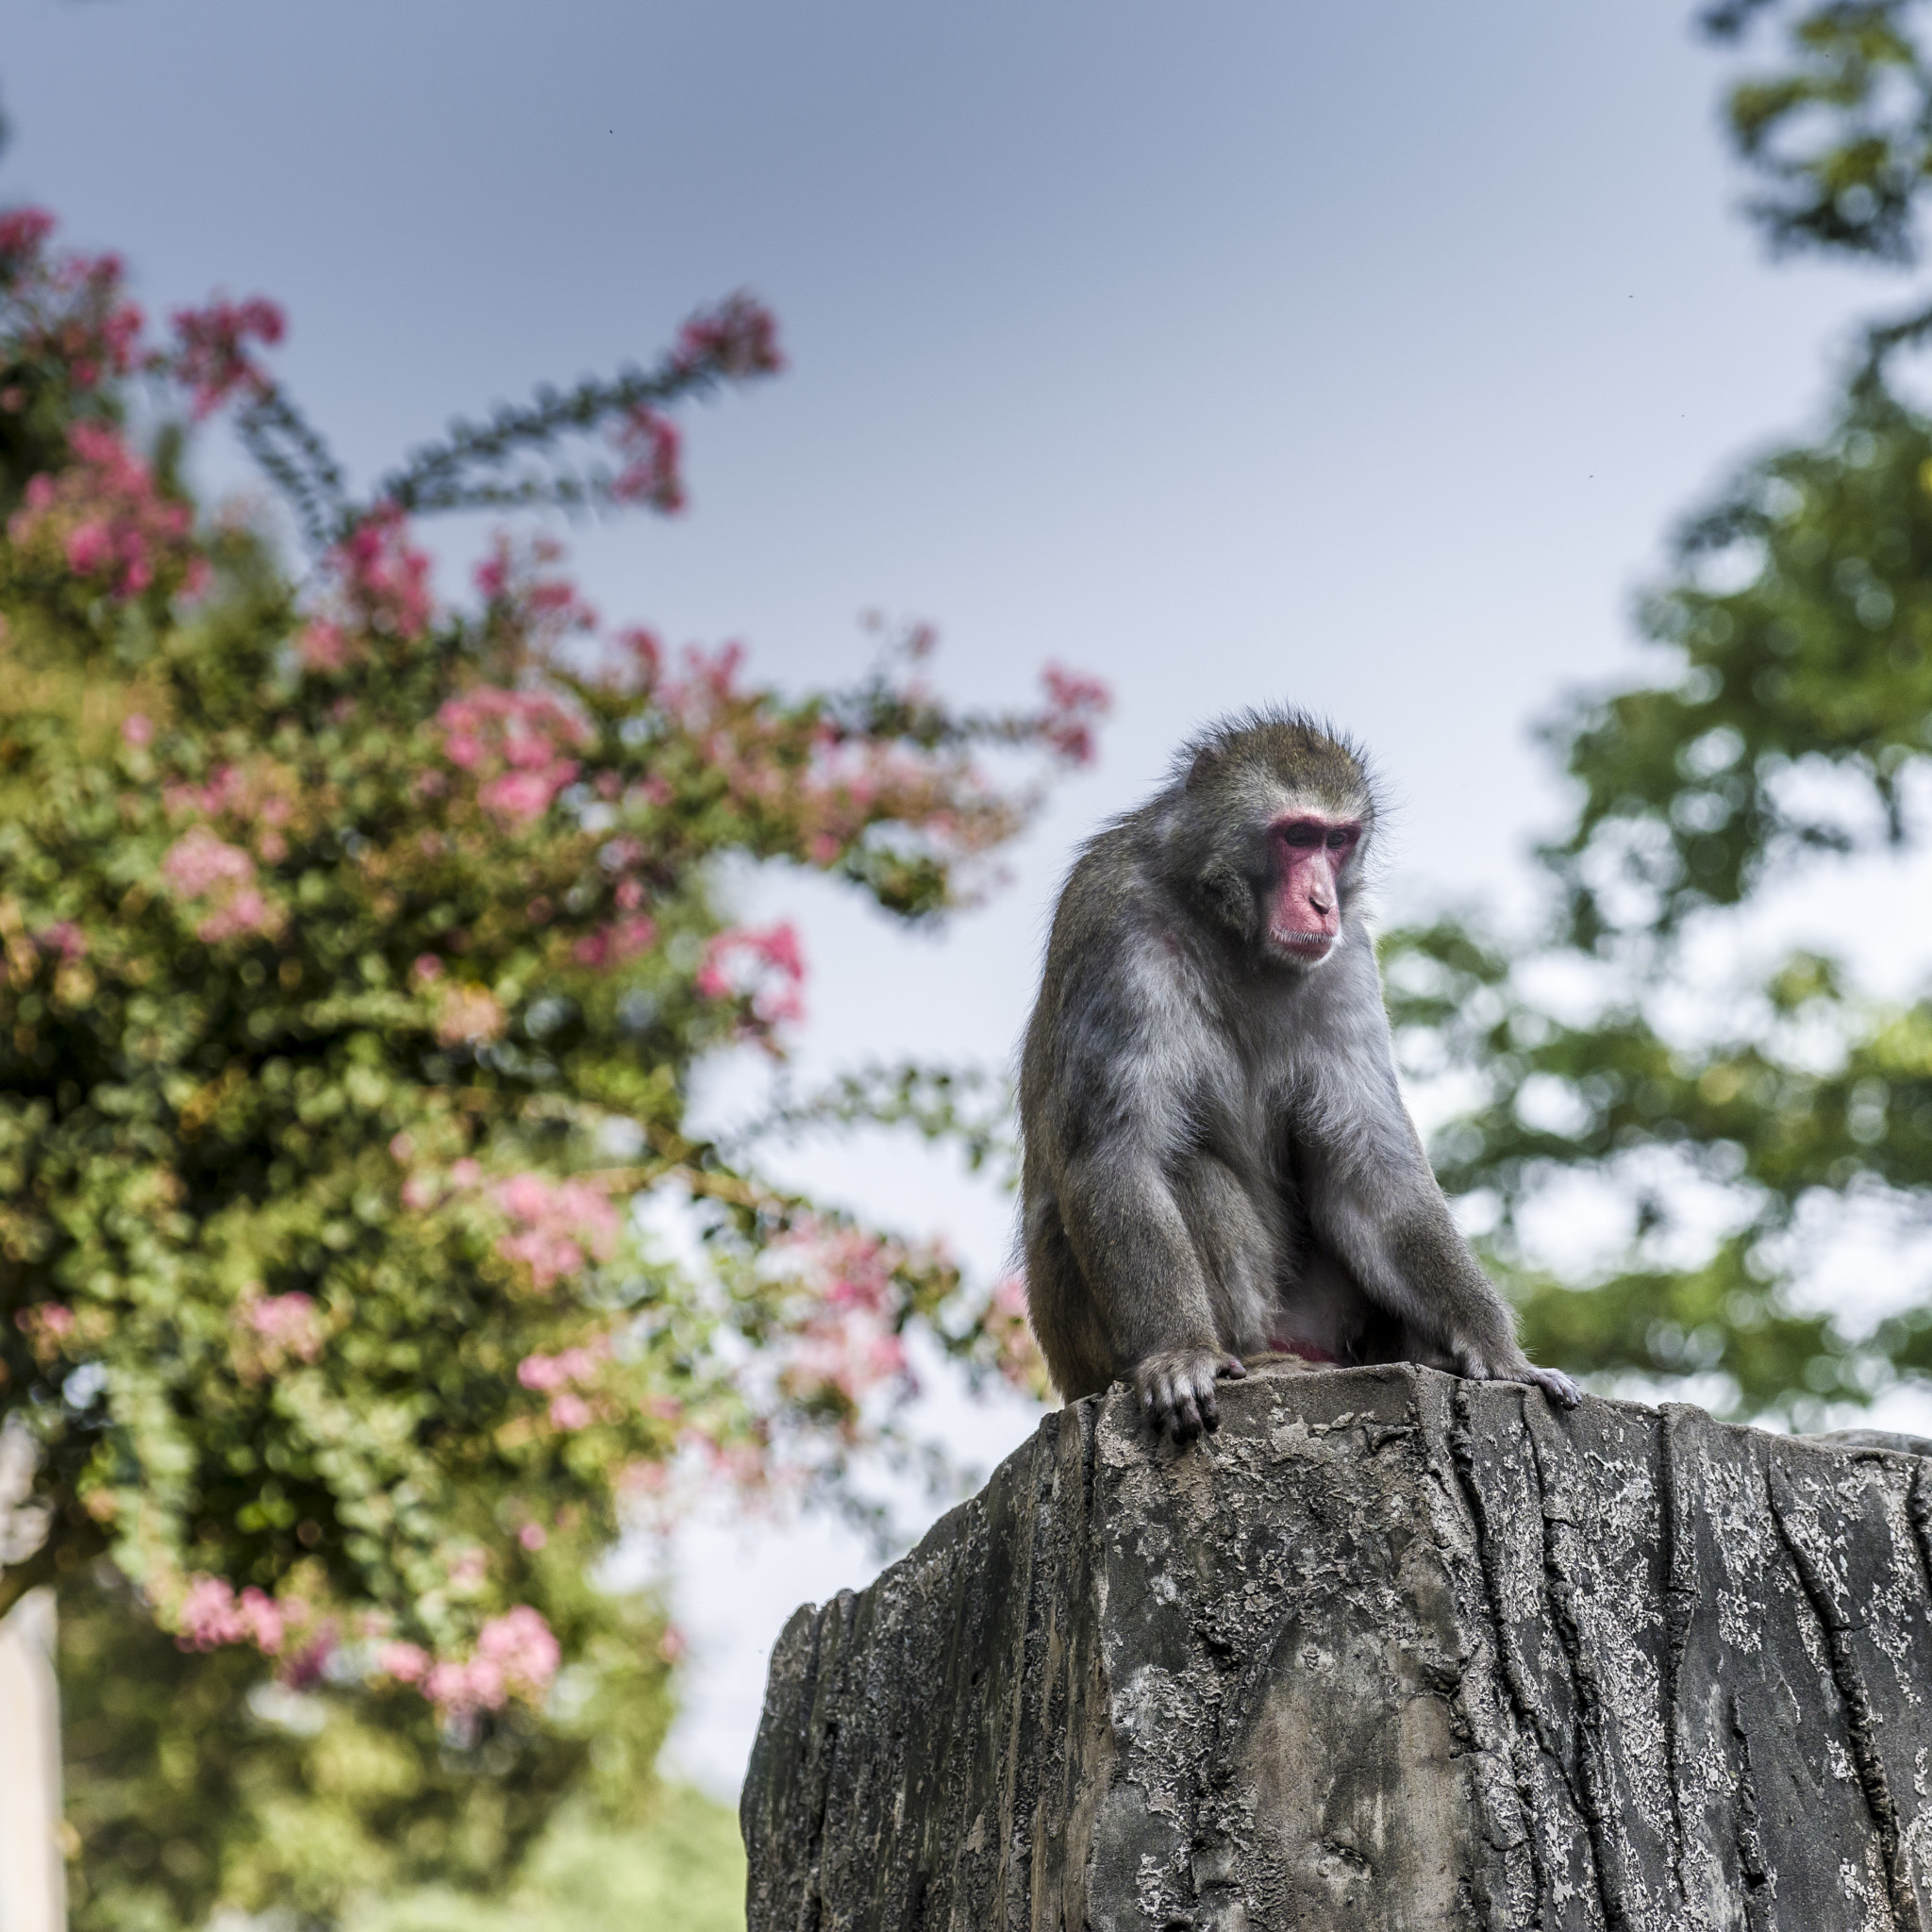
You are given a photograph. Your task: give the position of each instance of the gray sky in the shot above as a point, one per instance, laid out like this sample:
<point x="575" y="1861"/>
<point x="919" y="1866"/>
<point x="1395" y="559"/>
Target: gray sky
<point x="1356" y="356"/>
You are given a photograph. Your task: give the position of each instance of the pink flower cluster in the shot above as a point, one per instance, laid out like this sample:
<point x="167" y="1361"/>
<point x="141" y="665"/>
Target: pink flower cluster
<point x="64" y="937"/>
<point x="652" y="472"/>
<point x="556" y="1227"/>
<point x="24" y="233"/>
<point x="384" y="580"/>
<point x="72" y="309"/>
<point x="211" y="1614"/>
<point x="257" y="797"/>
<point x="514" y="576"/>
<point x="46" y="1326"/>
<point x="200" y="866"/>
<point x="553" y="1374"/>
<point x="1075" y="704"/>
<point x="212" y="356"/>
<point x="108" y="518"/>
<point x="846" y="1341"/>
<point x="516" y="1655"/>
<point x="739" y="337"/>
<point x="618" y="943"/>
<point x="514" y="741"/>
<point x="287" y="1325"/>
<point x="764" y="965"/>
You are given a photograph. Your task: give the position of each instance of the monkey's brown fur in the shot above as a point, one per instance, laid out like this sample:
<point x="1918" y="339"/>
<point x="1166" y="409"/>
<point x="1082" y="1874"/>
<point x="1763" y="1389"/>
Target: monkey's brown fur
<point x="1218" y="1161"/>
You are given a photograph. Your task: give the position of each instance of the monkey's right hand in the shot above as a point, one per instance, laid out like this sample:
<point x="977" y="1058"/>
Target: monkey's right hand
<point x="1177" y="1390"/>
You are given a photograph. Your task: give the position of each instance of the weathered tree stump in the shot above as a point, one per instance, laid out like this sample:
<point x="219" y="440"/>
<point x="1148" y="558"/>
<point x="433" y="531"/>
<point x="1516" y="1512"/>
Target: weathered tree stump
<point x="1389" y="1650"/>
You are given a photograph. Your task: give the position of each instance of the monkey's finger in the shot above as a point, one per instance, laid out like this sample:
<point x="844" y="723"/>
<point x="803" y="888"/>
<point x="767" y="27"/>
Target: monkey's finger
<point x="1557" y="1385"/>
<point x="1187" y="1416"/>
<point x="1231" y="1368"/>
<point x="1211" y="1409"/>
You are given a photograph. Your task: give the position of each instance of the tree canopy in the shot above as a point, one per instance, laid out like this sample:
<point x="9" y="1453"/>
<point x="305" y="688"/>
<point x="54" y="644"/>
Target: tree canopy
<point x="1791" y="733"/>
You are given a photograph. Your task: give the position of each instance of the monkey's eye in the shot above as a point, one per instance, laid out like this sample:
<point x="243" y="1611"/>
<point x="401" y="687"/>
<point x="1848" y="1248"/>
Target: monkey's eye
<point x="1303" y="835"/>
<point x="1341" y="837"/>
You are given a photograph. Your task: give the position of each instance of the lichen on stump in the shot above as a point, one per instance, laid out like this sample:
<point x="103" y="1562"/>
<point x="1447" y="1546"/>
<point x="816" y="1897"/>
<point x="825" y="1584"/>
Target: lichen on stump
<point x="1391" y="1650"/>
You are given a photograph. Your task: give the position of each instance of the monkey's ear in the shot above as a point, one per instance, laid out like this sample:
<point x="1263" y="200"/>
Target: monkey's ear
<point x="1203" y="764"/>
<point x="1230" y="898"/>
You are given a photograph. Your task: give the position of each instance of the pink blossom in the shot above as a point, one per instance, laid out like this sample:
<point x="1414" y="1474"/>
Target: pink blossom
<point x="513" y="741"/>
<point x="323" y="647"/>
<point x="383" y="576"/>
<point x="65" y="938"/>
<point x="47" y="1325"/>
<point x="618" y="943"/>
<point x="262" y="1620"/>
<point x="287" y="1323"/>
<point x="739" y="337"/>
<point x="212" y="357"/>
<point x="406" y="1663"/>
<point x="533" y="1536"/>
<point x="89" y="547"/>
<point x="1074" y="703"/>
<point x="246" y="912"/>
<point x="465" y="1174"/>
<point x="555" y="1225"/>
<point x="426" y="970"/>
<point x="198" y="863"/>
<point x="136" y="729"/>
<point x="765" y="965"/>
<point x="525" y="796"/>
<point x="521" y="1644"/>
<point x="516" y="1653"/>
<point x="513" y="576"/>
<point x="23" y="233"/>
<point x="209" y="1615"/>
<point x="461" y="1688"/>
<point x="568" y="1412"/>
<point x="103" y="515"/>
<point x="651" y="475"/>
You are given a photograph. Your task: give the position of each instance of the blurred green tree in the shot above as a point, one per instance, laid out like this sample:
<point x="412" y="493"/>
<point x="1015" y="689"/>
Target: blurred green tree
<point x="355" y="953"/>
<point x="1792" y="732"/>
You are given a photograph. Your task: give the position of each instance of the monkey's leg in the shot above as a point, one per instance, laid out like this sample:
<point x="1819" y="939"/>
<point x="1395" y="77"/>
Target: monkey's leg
<point x="1139" y="1260"/>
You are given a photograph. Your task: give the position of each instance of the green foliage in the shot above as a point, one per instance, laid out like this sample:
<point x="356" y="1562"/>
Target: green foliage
<point x="1841" y="134"/>
<point x="682" y="1867"/>
<point x="191" y="1776"/>
<point x="1791" y="731"/>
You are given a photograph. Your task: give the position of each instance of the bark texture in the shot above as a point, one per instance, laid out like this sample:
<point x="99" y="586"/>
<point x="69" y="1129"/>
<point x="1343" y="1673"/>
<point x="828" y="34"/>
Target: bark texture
<point x="1391" y="1650"/>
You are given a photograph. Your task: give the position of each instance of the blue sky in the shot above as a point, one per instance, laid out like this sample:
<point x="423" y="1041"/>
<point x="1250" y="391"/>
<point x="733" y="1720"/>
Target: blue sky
<point x="1355" y="356"/>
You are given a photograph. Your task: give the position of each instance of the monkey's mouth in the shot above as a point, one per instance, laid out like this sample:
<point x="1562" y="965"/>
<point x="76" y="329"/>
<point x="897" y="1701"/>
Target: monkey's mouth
<point x="1312" y="944"/>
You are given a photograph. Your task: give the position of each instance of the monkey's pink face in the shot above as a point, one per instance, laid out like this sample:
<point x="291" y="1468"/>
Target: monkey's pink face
<point x="1311" y="854"/>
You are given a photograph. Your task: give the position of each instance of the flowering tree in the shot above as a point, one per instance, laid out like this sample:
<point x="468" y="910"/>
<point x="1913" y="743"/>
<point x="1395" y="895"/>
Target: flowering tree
<point x="356" y="952"/>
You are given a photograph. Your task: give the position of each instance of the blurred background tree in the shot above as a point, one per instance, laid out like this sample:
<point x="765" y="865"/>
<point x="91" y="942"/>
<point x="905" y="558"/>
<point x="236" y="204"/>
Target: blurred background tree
<point x="1742" y="1112"/>
<point x="356" y="952"/>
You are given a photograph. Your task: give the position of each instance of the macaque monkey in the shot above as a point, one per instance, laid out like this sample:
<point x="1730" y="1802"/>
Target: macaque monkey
<point x="1218" y="1161"/>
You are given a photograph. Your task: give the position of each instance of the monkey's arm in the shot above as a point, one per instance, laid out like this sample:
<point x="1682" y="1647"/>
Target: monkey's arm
<point x="1139" y="1260"/>
<point x="1374" y="1200"/>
